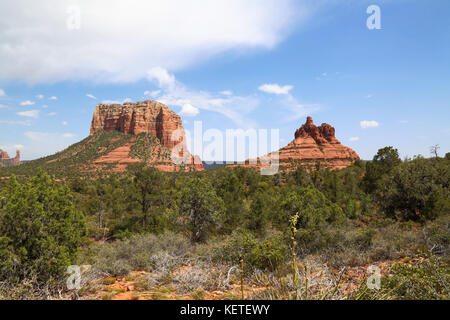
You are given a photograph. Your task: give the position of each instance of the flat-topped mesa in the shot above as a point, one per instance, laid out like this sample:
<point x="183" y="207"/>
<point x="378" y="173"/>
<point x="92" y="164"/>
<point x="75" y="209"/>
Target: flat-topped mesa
<point x="150" y="117"/>
<point x="133" y="118"/>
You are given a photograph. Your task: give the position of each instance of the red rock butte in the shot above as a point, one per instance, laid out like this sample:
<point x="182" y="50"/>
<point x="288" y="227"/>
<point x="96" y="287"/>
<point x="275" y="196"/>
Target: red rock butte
<point x="311" y="145"/>
<point x="151" y="117"/>
<point x="5" y="160"/>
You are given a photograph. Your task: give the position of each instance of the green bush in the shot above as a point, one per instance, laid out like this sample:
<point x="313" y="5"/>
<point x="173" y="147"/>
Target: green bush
<point x="428" y="280"/>
<point x="416" y="190"/>
<point x="264" y="254"/>
<point x="40" y="229"/>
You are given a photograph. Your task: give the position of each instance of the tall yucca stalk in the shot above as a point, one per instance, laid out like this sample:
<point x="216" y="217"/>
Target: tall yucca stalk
<point x="242" y="276"/>
<point x="293" y="224"/>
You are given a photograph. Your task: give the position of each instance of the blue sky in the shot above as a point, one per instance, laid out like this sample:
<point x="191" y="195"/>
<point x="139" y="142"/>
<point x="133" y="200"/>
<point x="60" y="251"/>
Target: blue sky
<point x="210" y="63"/>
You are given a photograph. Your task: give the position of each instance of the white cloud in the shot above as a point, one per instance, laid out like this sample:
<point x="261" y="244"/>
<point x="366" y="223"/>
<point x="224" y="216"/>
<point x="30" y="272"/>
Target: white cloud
<point x="3" y="106"/>
<point x="91" y="96"/>
<point x="2" y="93"/>
<point x="403" y="121"/>
<point x="226" y="93"/>
<point x="22" y="123"/>
<point x="153" y="93"/>
<point x="162" y="76"/>
<point x="30" y="114"/>
<point x="45" y="106"/>
<point x="53" y="98"/>
<point x="40" y="96"/>
<point x="27" y="103"/>
<point x="369" y="96"/>
<point x="189" y="110"/>
<point x="275" y="88"/>
<point x="296" y="109"/>
<point x="37" y="46"/>
<point x="52" y="114"/>
<point x="354" y="139"/>
<point x="175" y="93"/>
<point x="18" y="146"/>
<point x="116" y="101"/>
<point x="369" y="124"/>
<point x="64" y="123"/>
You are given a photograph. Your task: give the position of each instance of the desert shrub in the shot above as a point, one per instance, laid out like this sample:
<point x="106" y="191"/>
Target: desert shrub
<point x="427" y="280"/>
<point x="142" y="252"/>
<point x="200" y="207"/>
<point x="416" y="190"/>
<point x="40" y="229"/>
<point x="382" y="164"/>
<point x="264" y="254"/>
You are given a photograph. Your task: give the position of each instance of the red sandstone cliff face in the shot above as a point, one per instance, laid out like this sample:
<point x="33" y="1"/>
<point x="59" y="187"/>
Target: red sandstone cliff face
<point x="6" y="160"/>
<point x="149" y="116"/>
<point x="133" y="118"/>
<point x="3" y="155"/>
<point x="312" y="145"/>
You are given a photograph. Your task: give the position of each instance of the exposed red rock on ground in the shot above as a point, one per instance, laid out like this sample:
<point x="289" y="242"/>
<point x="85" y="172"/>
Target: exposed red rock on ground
<point x="311" y="145"/>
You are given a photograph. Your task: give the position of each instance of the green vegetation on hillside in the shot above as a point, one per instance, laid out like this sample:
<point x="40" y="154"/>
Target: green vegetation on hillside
<point x="77" y="160"/>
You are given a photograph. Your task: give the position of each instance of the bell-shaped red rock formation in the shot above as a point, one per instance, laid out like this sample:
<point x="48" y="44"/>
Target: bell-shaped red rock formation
<point x="311" y="145"/>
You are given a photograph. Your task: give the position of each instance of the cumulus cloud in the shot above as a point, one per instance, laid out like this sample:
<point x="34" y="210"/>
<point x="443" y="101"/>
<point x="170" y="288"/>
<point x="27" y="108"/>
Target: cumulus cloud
<point x="227" y="93"/>
<point x="369" y="124"/>
<point x="2" y="93"/>
<point x="162" y="76"/>
<point x="27" y="103"/>
<point x="3" y="106"/>
<point x="40" y="96"/>
<point x="53" y="98"/>
<point x="275" y="88"/>
<point x="354" y="139"/>
<point x="30" y="114"/>
<point x="296" y="109"/>
<point x="189" y="110"/>
<point x="121" y="40"/>
<point x="64" y="123"/>
<point x="175" y="93"/>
